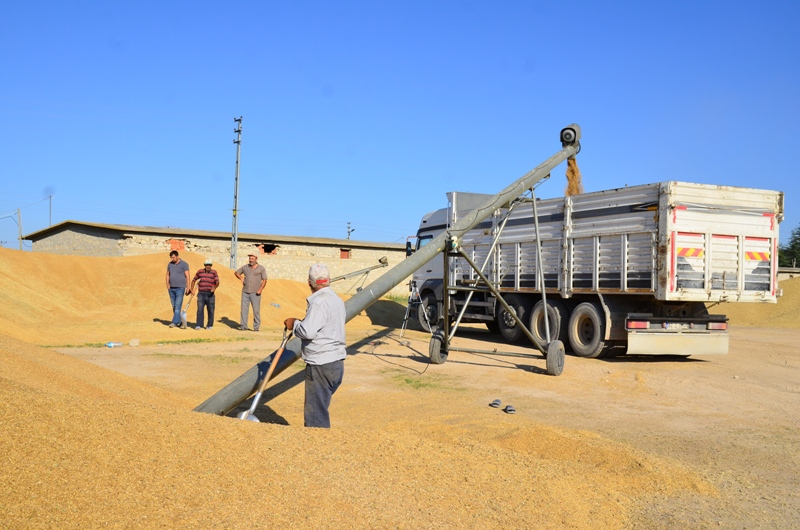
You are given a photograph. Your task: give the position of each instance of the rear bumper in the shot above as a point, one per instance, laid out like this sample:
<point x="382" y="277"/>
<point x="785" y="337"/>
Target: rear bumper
<point x="677" y="343"/>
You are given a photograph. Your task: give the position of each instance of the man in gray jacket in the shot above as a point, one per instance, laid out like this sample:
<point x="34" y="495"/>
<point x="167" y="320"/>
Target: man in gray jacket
<point x="323" y="346"/>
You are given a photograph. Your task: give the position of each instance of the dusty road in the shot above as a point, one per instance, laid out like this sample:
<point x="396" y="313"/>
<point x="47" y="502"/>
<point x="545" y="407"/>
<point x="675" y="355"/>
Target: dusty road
<point x="732" y="421"/>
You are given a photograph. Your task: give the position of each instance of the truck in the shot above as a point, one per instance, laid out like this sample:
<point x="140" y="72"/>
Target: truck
<point x="629" y="270"/>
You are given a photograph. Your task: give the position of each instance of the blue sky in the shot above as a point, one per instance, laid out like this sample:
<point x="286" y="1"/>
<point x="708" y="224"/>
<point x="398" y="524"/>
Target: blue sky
<point x="369" y="112"/>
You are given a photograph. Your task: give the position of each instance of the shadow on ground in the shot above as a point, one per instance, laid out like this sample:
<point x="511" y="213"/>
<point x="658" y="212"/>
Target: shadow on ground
<point x="264" y="413"/>
<point x="386" y="313"/>
<point x="228" y="322"/>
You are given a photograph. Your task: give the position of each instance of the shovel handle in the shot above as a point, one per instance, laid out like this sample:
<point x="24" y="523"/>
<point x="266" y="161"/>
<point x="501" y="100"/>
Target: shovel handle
<point x="275" y="360"/>
<point x="191" y="295"/>
<point x="263" y="384"/>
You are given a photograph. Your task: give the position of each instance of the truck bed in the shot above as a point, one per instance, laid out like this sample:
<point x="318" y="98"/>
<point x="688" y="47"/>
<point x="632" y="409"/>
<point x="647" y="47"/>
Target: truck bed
<point x="673" y="240"/>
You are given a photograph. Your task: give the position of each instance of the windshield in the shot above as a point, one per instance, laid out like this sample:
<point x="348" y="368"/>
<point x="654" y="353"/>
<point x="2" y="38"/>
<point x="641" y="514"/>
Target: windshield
<point x="423" y="240"/>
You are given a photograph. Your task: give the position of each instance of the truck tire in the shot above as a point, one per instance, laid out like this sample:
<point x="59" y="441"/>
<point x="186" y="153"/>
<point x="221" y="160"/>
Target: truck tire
<point x="509" y="329"/>
<point x="493" y="328"/>
<point x="555" y="358"/>
<point x="438" y="356"/>
<point x="587" y="328"/>
<point x="558" y="317"/>
<point x="428" y="305"/>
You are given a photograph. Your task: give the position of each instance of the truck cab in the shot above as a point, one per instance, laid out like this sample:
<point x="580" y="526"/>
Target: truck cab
<point x="428" y="278"/>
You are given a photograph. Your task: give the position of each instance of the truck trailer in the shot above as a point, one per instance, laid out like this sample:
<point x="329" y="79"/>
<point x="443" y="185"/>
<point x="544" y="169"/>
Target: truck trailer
<point x="633" y="269"/>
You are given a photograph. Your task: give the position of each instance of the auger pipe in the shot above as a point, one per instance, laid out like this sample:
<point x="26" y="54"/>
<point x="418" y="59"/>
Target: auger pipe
<point x="246" y="384"/>
<point x="371" y="293"/>
<point x="383" y="262"/>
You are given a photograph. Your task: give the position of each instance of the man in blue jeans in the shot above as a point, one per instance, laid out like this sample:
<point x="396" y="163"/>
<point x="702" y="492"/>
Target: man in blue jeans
<point x="323" y="346"/>
<point x="177" y="285"/>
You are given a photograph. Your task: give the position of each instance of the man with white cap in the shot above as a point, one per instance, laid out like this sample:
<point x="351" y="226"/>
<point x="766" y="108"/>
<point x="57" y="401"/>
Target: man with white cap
<point x="254" y="279"/>
<point x="209" y="281"/>
<point x="323" y="345"/>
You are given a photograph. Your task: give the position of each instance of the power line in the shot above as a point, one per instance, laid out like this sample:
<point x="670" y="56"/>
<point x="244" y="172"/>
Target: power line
<point x="31" y="204"/>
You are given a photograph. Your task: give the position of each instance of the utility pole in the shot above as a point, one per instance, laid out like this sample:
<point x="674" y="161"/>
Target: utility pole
<point x="349" y="230"/>
<point x="235" y="230"/>
<point x="19" y="227"/>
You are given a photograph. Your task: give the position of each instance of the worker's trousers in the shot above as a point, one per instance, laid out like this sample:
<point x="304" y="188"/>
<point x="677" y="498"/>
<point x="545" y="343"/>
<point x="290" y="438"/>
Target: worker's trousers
<point x="176" y="299"/>
<point x="249" y="299"/>
<point x="205" y="299"/>
<point x="321" y="382"/>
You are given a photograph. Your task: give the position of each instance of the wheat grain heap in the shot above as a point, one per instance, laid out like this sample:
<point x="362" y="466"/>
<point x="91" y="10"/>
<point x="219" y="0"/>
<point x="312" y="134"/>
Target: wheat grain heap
<point x="86" y="447"/>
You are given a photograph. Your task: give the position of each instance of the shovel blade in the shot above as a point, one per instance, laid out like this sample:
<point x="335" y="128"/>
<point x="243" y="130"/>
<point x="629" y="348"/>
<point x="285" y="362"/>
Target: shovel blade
<point x="245" y="415"/>
<point x="183" y="318"/>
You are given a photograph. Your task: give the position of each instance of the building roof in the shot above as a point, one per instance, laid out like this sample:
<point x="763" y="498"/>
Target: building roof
<point x="243" y="237"/>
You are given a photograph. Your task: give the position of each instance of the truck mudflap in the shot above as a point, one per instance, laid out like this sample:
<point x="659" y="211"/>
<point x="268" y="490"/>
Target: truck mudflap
<point x="648" y="335"/>
<point x="677" y="343"/>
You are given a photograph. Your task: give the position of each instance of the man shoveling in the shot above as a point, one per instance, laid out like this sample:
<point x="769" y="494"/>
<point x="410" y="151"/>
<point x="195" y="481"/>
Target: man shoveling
<point x="323" y="346"/>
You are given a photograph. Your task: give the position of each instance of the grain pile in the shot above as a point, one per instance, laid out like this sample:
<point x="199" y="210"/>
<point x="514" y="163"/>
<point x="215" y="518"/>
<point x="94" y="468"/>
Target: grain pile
<point x="84" y="447"/>
<point x="784" y="314"/>
<point x="51" y="299"/>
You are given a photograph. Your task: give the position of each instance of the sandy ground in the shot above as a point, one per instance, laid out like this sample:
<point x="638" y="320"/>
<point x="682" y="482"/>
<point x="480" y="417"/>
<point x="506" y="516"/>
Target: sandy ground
<point x="97" y="437"/>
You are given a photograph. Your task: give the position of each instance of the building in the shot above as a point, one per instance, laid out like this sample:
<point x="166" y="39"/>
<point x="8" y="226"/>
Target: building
<point x="285" y="257"/>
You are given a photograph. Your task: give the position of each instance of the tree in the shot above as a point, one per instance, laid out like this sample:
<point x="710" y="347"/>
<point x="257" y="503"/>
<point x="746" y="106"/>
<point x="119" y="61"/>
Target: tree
<point x="789" y="255"/>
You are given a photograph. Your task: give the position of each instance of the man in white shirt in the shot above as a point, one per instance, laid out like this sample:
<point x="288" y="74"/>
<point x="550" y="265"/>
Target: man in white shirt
<point x="323" y="345"/>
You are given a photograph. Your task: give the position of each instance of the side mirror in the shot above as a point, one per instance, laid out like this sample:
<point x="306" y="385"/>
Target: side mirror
<point x="409" y="249"/>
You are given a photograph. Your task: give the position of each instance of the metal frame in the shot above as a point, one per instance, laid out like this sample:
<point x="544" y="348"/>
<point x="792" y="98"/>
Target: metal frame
<point x="453" y="248"/>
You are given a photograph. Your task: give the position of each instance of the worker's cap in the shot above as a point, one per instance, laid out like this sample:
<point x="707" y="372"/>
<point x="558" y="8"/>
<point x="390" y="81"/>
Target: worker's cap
<point x="318" y="273"/>
<point x="252" y="255"/>
<point x="208" y="262"/>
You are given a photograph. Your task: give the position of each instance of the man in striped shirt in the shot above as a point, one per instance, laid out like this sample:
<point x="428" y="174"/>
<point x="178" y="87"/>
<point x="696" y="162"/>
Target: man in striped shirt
<point x="208" y="283"/>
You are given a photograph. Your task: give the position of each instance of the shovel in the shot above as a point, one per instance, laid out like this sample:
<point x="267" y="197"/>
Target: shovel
<point x="249" y="414"/>
<point x="183" y="313"/>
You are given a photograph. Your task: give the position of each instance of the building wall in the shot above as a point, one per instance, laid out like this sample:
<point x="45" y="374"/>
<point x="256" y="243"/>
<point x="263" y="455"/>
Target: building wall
<point x="81" y="241"/>
<point x="289" y="261"/>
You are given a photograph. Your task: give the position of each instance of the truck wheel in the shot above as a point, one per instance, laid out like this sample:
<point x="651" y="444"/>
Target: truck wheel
<point x="555" y="358"/>
<point x="438" y="355"/>
<point x="493" y="328"/>
<point x="428" y="306"/>
<point x="558" y="317"/>
<point x="587" y="327"/>
<point x="508" y="326"/>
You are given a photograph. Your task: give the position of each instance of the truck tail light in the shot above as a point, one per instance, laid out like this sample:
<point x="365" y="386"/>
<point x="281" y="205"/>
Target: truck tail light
<point x="638" y="324"/>
<point x="718" y="325"/>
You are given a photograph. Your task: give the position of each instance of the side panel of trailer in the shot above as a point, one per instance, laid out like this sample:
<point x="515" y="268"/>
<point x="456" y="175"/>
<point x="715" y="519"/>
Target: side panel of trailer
<point x="611" y="241"/>
<point x="677" y="241"/>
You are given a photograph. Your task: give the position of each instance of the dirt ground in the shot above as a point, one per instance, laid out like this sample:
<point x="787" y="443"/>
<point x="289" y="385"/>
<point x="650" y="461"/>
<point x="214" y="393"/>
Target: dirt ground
<point x="105" y="437"/>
